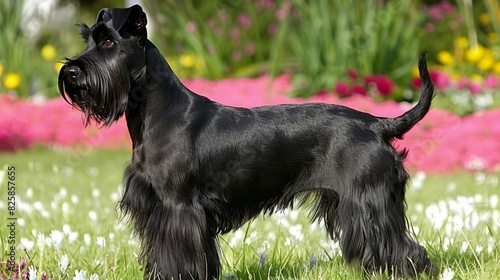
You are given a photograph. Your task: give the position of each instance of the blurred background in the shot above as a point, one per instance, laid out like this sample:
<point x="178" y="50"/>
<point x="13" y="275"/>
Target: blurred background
<point x="343" y="47"/>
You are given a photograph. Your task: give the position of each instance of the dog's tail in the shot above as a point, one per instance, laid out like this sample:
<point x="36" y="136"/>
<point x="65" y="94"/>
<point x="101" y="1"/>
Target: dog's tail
<point x="397" y="127"/>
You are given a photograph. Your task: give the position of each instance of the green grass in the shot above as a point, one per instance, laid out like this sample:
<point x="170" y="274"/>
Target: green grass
<point x="66" y="205"/>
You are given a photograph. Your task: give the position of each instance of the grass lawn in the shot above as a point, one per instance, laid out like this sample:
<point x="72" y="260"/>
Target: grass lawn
<point x="67" y="225"/>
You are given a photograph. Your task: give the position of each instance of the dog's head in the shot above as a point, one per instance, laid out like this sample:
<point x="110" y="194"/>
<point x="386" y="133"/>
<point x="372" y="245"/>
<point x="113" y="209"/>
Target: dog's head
<point x="98" y="80"/>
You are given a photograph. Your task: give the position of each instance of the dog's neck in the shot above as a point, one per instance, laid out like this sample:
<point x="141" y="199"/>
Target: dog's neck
<point x="157" y="91"/>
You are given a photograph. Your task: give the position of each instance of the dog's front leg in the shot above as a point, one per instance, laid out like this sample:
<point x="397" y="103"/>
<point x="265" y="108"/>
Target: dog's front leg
<point x="177" y="239"/>
<point x="182" y="244"/>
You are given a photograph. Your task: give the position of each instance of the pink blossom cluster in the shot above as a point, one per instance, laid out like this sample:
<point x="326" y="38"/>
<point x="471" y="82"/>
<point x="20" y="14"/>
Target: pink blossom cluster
<point x="442" y="142"/>
<point x="381" y="84"/>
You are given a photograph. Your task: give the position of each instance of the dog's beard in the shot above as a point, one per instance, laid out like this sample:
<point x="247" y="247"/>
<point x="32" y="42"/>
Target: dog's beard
<point x="101" y="94"/>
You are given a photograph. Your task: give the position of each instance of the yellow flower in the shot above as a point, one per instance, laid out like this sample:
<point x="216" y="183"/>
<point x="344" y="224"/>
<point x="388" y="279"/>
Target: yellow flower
<point x="487" y="61"/>
<point x="187" y="60"/>
<point x="496" y="68"/>
<point x="484" y="19"/>
<point x="461" y="43"/>
<point x="485" y="64"/>
<point x="474" y="54"/>
<point x="414" y="72"/>
<point x="48" y="52"/>
<point x="445" y="58"/>
<point x="11" y="80"/>
<point x="57" y="66"/>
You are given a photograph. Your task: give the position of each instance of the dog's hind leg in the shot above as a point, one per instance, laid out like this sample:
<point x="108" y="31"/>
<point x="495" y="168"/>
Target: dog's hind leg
<point x="370" y="222"/>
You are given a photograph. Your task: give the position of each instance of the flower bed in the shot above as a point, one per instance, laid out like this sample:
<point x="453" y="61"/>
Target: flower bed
<point x="442" y="142"/>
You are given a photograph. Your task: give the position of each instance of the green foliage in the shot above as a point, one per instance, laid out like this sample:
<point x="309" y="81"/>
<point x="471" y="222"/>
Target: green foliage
<point x="29" y="57"/>
<point x="330" y="37"/>
<point x="317" y="40"/>
<point x="13" y="43"/>
<point x="223" y="38"/>
<point x="75" y="191"/>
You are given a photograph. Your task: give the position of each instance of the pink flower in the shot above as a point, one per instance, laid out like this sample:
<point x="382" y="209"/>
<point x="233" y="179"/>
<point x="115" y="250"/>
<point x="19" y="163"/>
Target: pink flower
<point x="447" y="7"/>
<point x="416" y="83"/>
<point x="492" y="81"/>
<point x="465" y="83"/>
<point x="342" y="89"/>
<point x="435" y="13"/>
<point x="383" y="84"/>
<point x="191" y="27"/>
<point x="356" y="89"/>
<point x="475" y="88"/>
<point x="352" y="74"/>
<point x="244" y="20"/>
<point x="440" y="80"/>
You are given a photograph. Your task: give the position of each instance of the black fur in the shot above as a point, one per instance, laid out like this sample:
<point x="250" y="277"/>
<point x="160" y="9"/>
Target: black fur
<point x="200" y="169"/>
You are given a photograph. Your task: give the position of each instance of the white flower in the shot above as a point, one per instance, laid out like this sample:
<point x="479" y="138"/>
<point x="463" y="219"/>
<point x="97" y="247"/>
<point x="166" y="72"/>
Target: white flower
<point x="86" y="239"/>
<point x="101" y="241"/>
<point x="494" y="201"/>
<point x="417" y="182"/>
<point x="45" y="214"/>
<point x="65" y="207"/>
<point x="96" y="193"/>
<point x="57" y="238"/>
<point x="72" y="236"/>
<point x="27" y="244"/>
<point x="237" y="237"/>
<point x="29" y="192"/>
<point x="464" y="247"/>
<point x="38" y="205"/>
<point x="80" y="275"/>
<point x="63" y="263"/>
<point x="479" y="249"/>
<point x="447" y="274"/>
<point x="491" y="245"/>
<point x="94" y="276"/>
<point x="32" y="271"/>
<point x="294" y="214"/>
<point x="93" y="215"/>
<point x="63" y="192"/>
<point x="74" y="198"/>
<point x="43" y="241"/>
<point x="296" y="232"/>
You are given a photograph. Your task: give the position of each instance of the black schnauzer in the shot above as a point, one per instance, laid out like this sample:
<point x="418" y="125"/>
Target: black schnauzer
<point x="200" y="169"/>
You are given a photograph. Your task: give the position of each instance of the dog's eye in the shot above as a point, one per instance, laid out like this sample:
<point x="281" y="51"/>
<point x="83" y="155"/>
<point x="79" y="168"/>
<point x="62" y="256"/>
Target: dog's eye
<point x="107" y="43"/>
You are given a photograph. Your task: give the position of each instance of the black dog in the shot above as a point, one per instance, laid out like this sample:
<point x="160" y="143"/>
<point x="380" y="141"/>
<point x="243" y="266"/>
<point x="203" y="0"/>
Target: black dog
<point x="200" y="169"/>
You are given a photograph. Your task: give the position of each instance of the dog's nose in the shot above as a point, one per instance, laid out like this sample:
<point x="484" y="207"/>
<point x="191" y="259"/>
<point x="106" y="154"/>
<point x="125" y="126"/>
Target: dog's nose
<point x="72" y="71"/>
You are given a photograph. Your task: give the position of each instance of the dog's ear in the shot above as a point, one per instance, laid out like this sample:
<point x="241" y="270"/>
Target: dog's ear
<point x="130" y="21"/>
<point x="103" y="15"/>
